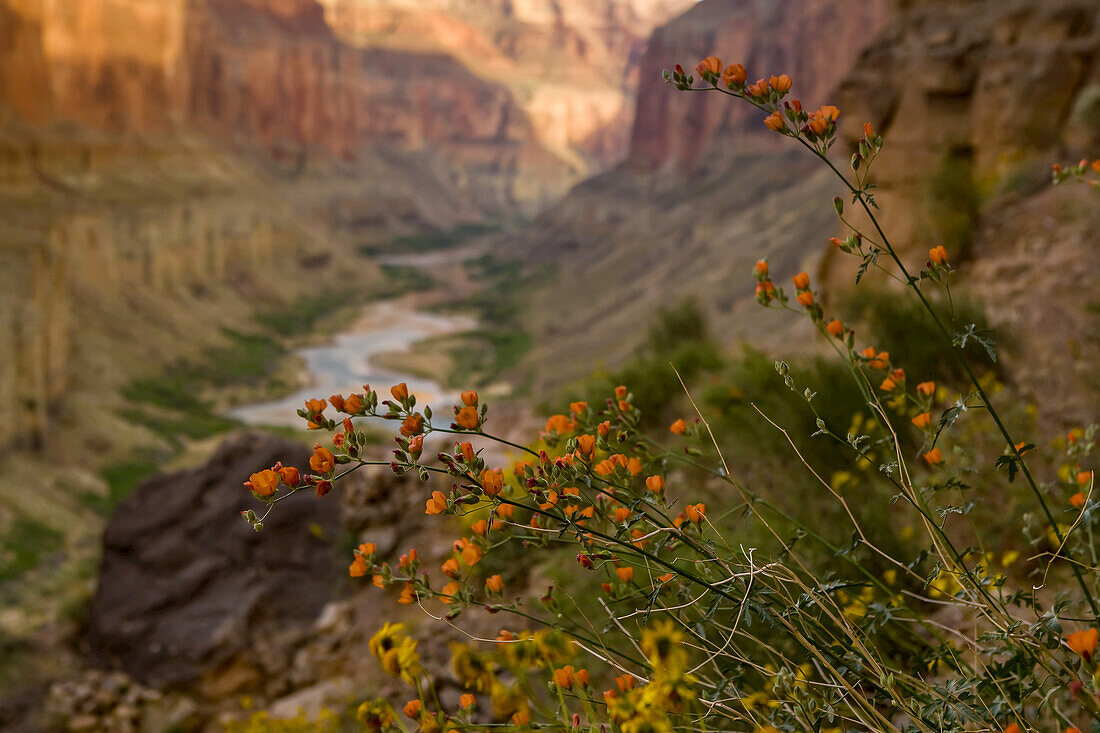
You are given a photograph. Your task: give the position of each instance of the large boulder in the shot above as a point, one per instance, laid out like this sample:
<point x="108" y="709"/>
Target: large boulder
<point x="190" y="595"/>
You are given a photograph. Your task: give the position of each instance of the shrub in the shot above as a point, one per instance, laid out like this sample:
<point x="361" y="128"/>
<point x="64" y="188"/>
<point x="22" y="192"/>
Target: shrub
<point x="942" y="585"/>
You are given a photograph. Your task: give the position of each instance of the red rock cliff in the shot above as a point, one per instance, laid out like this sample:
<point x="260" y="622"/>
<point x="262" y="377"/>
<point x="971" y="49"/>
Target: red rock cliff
<point x="816" y="42"/>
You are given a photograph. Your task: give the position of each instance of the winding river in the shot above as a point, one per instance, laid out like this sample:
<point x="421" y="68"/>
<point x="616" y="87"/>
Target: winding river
<point x="347" y="363"/>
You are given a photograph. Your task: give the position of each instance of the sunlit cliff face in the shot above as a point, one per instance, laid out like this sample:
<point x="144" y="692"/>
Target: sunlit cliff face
<point x="572" y="66"/>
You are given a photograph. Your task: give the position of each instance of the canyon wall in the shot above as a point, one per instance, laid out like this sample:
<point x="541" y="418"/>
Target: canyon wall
<point x="571" y="65"/>
<point x="975" y="100"/>
<point x="706" y="189"/>
<point x="270" y="76"/>
<point x="816" y="42"/>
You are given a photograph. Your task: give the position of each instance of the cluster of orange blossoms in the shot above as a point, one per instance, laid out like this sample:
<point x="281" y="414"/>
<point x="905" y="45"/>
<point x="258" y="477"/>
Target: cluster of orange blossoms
<point x="894" y="382"/>
<point x="1061" y="174"/>
<point x="786" y="117"/>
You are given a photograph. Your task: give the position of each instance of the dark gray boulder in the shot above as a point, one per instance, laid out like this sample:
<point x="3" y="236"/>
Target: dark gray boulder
<point x="188" y="590"/>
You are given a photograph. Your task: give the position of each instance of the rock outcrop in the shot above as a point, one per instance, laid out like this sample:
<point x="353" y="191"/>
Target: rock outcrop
<point x="216" y="597"/>
<point x="975" y="100"/>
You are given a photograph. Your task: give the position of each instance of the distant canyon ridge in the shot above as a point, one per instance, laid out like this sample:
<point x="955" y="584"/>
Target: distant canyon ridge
<point x="522" y="97"/>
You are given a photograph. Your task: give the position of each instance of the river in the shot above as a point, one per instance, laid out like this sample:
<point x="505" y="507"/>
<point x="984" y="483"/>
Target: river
<point x="347" y="363"/>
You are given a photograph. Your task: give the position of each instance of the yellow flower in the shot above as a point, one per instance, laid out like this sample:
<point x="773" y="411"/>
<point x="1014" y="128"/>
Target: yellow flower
<point x="375" y="715"/>
<point x="662" y="643"/>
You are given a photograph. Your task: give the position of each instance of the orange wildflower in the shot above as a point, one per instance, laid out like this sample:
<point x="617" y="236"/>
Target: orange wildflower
<point x="353" y="405"/>
<point x="467" y="451"/>
<point x="471" y="554"/>
<point x="922" y="420"/>
<point x="412" y="425"/>
<point x="407" y="560"/>
<point x="495" y="584"/>
<point x="695" y="512"/>
<point x="620" y="392"/>
<point x="492" y="481"/>
<point x="586" y="444"/>
<point x="806" y="298"/>
<point x="337" y="402"/>
<point x="290" y="476"/>
<point x="882" y="361"/>
<point x="467" y="700"/>
<point x="1084" y="477"/>
<point x="378" y="581"/>
<point x="263" y="482"/>
<point x="437" y="504"/>
<point x="829" y="112"/>
<point x="578" y="408"/>
<point x="781" y="83"/>
<point x="801" y="281"/>
<point x="625" y="682"/>
<point x="634" y="466"/>
<point x="450" y="568"/>
<point x="560" y="424"/>
<point x="504" y="511"/>
<point x="625" y="574"/>
<point x="621" y="513"/>
<point x="448" y="592"/>
<point x="604" y="428"/>
<point x="666" y="577"/>
<point x="400" y="392"/>
<point x="1011" y="728"/>
<point x="563" y="677"/>
<point x="938" y="255"/>
<point x="888" y="384"/>
<point x="358" y="567"/>
<point x="774" y="122"/>
<point x="835" y="328"/>
<point x="817" y="123"/>
<point x="368" y="548"/>
<point x="468" y="418"/>
<point x="322" y="460"/>
<point x="709" y="65"/>
<point x="934" y="457"/>
<point x="469" y="398"/>
<point x="759" y="89"/>
<point x="679" y="427"/>
<point x="868" y="130"/>
<point x="926" y="388"/>
<point x="315" y="407"/>
<point x="1083" y="643"/>
<point x="521" y="718"/>
<point x="480" y="527"/>
<point x="412" y="708"/>
<point x="1077" y="500"/>
<point x="581" y="677"/>
<point x="656" y="484"/>
<point x="604" y="468"/>
<point x="762" y="267"/>
<point x="734" y="75"/>
<point x="408" y="595"/>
